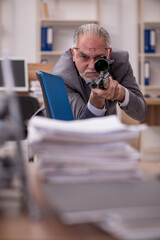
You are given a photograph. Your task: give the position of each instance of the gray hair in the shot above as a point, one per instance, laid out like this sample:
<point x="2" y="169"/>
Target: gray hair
<point x="93" y="29"/>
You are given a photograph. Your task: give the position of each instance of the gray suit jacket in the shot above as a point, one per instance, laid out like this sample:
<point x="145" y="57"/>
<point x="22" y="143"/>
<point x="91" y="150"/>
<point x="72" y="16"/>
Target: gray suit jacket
<point x="78" y="91"/>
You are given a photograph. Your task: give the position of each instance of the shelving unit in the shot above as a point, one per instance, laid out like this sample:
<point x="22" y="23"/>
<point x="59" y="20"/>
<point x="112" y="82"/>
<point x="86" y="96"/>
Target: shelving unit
<point x="64" y="16"/>
<point x="149" y="18"/>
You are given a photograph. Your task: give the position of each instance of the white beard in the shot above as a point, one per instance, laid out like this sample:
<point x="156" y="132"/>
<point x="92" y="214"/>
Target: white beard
<point x="88" y="80"/>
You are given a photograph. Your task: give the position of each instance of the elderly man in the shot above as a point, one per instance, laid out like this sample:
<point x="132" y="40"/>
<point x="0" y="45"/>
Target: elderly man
<point x="77" y="67"/>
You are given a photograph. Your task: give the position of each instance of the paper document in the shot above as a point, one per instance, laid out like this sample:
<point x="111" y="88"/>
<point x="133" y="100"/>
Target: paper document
<point x="134" y="223"/>
<point x="94" y="149"/>
<point x="93" y="130"/>
<point x="109" y="204"/>
<point x="90" y="173"/>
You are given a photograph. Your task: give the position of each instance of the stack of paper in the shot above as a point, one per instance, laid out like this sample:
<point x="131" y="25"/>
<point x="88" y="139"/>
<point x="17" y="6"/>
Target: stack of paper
<point x="133" y="223"/>
<point x="84" y="150"/>
<point x="92" y="153"/>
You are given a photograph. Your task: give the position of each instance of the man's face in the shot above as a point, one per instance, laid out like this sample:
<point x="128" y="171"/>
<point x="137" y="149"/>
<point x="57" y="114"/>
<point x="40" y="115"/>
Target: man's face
<point x="89" y="49"/>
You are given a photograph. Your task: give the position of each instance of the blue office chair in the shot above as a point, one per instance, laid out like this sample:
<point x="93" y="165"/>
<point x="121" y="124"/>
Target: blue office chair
<point x="55" y="96"/>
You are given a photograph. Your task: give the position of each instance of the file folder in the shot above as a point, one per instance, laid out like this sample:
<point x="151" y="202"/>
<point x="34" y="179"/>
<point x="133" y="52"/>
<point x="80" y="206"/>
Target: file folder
<point x="146" y="72"/>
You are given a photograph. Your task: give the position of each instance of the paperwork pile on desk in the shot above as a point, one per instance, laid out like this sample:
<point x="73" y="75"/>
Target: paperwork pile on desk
<point x="88" y="150"/>
<point x="90" y="170"/>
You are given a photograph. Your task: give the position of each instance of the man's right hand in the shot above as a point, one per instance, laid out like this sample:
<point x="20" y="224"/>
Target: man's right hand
<point x="115" y="91"/>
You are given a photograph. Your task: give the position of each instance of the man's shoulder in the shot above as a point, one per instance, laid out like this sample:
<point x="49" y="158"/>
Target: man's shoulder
<point x="119" y="55"/>
<point x="64" y="64"/>
<point x="66" y="69"/>
<point x="117" y="52"/>
<point x="121" y="61"/>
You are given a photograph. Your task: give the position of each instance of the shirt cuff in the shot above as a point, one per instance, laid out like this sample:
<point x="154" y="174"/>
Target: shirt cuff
<point x="126" y="100"/>
<point x="96" y="111"/>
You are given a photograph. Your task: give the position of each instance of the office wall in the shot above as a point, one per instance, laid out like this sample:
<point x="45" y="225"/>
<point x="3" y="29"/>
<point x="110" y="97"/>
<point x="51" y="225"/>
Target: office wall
<point x="119" y="17"/>
<point x="19" y="26"/>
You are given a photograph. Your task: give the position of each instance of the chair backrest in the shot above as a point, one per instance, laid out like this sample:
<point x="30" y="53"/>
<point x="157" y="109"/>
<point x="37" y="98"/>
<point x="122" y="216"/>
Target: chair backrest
<point x="55" y="96"/>
<point x="28" y="105"/>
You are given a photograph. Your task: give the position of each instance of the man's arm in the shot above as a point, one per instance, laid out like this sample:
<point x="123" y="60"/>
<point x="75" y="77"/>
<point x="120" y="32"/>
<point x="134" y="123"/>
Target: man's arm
<point x="123" y="73"/>
<point x="136" y="107"/>
<point x="124" y="90"/>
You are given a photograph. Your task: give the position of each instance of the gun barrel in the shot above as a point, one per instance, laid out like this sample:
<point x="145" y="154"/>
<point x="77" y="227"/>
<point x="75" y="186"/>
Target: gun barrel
<point x="102" y="66"/>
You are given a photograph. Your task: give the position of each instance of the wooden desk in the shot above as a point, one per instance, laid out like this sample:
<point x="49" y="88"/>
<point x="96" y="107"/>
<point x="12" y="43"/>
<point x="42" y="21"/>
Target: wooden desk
<point x="153" y="113"/>
<point x="49" y="228"/>
<point x="19" y="226"/>
<point x="152" y="101"/>
<point x="34" y="67"/>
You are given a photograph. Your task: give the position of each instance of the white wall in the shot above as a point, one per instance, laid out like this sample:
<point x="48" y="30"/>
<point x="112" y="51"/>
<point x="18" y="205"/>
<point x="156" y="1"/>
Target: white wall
<point x="119" y="18"/>
<point x="18" y="33"/>
<point x="19" y="27"/>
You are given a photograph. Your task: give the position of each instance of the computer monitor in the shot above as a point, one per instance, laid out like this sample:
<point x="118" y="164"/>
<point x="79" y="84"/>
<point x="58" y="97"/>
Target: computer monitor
<point x="20" y="74"/>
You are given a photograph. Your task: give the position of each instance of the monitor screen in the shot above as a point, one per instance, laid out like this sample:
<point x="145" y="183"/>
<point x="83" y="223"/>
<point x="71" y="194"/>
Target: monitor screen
<point x="20" y="75"/>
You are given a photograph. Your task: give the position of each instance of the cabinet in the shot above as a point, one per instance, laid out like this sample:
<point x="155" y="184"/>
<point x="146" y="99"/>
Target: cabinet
<point x="64" y="17"/>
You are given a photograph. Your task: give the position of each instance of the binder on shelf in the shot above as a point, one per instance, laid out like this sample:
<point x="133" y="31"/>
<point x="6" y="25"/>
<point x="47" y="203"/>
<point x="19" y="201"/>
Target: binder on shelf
<point x="146" y="40"/>
<point x="46" y="38"/>
<point x="43" y="38"/>
<point x="152" y="40"/>
<point x="139" y="79"/>
<point x="44" y="60"/>
<point x="146" y="72"/>
<point x="149" y="40"/>
<point x="49" y="38"/>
